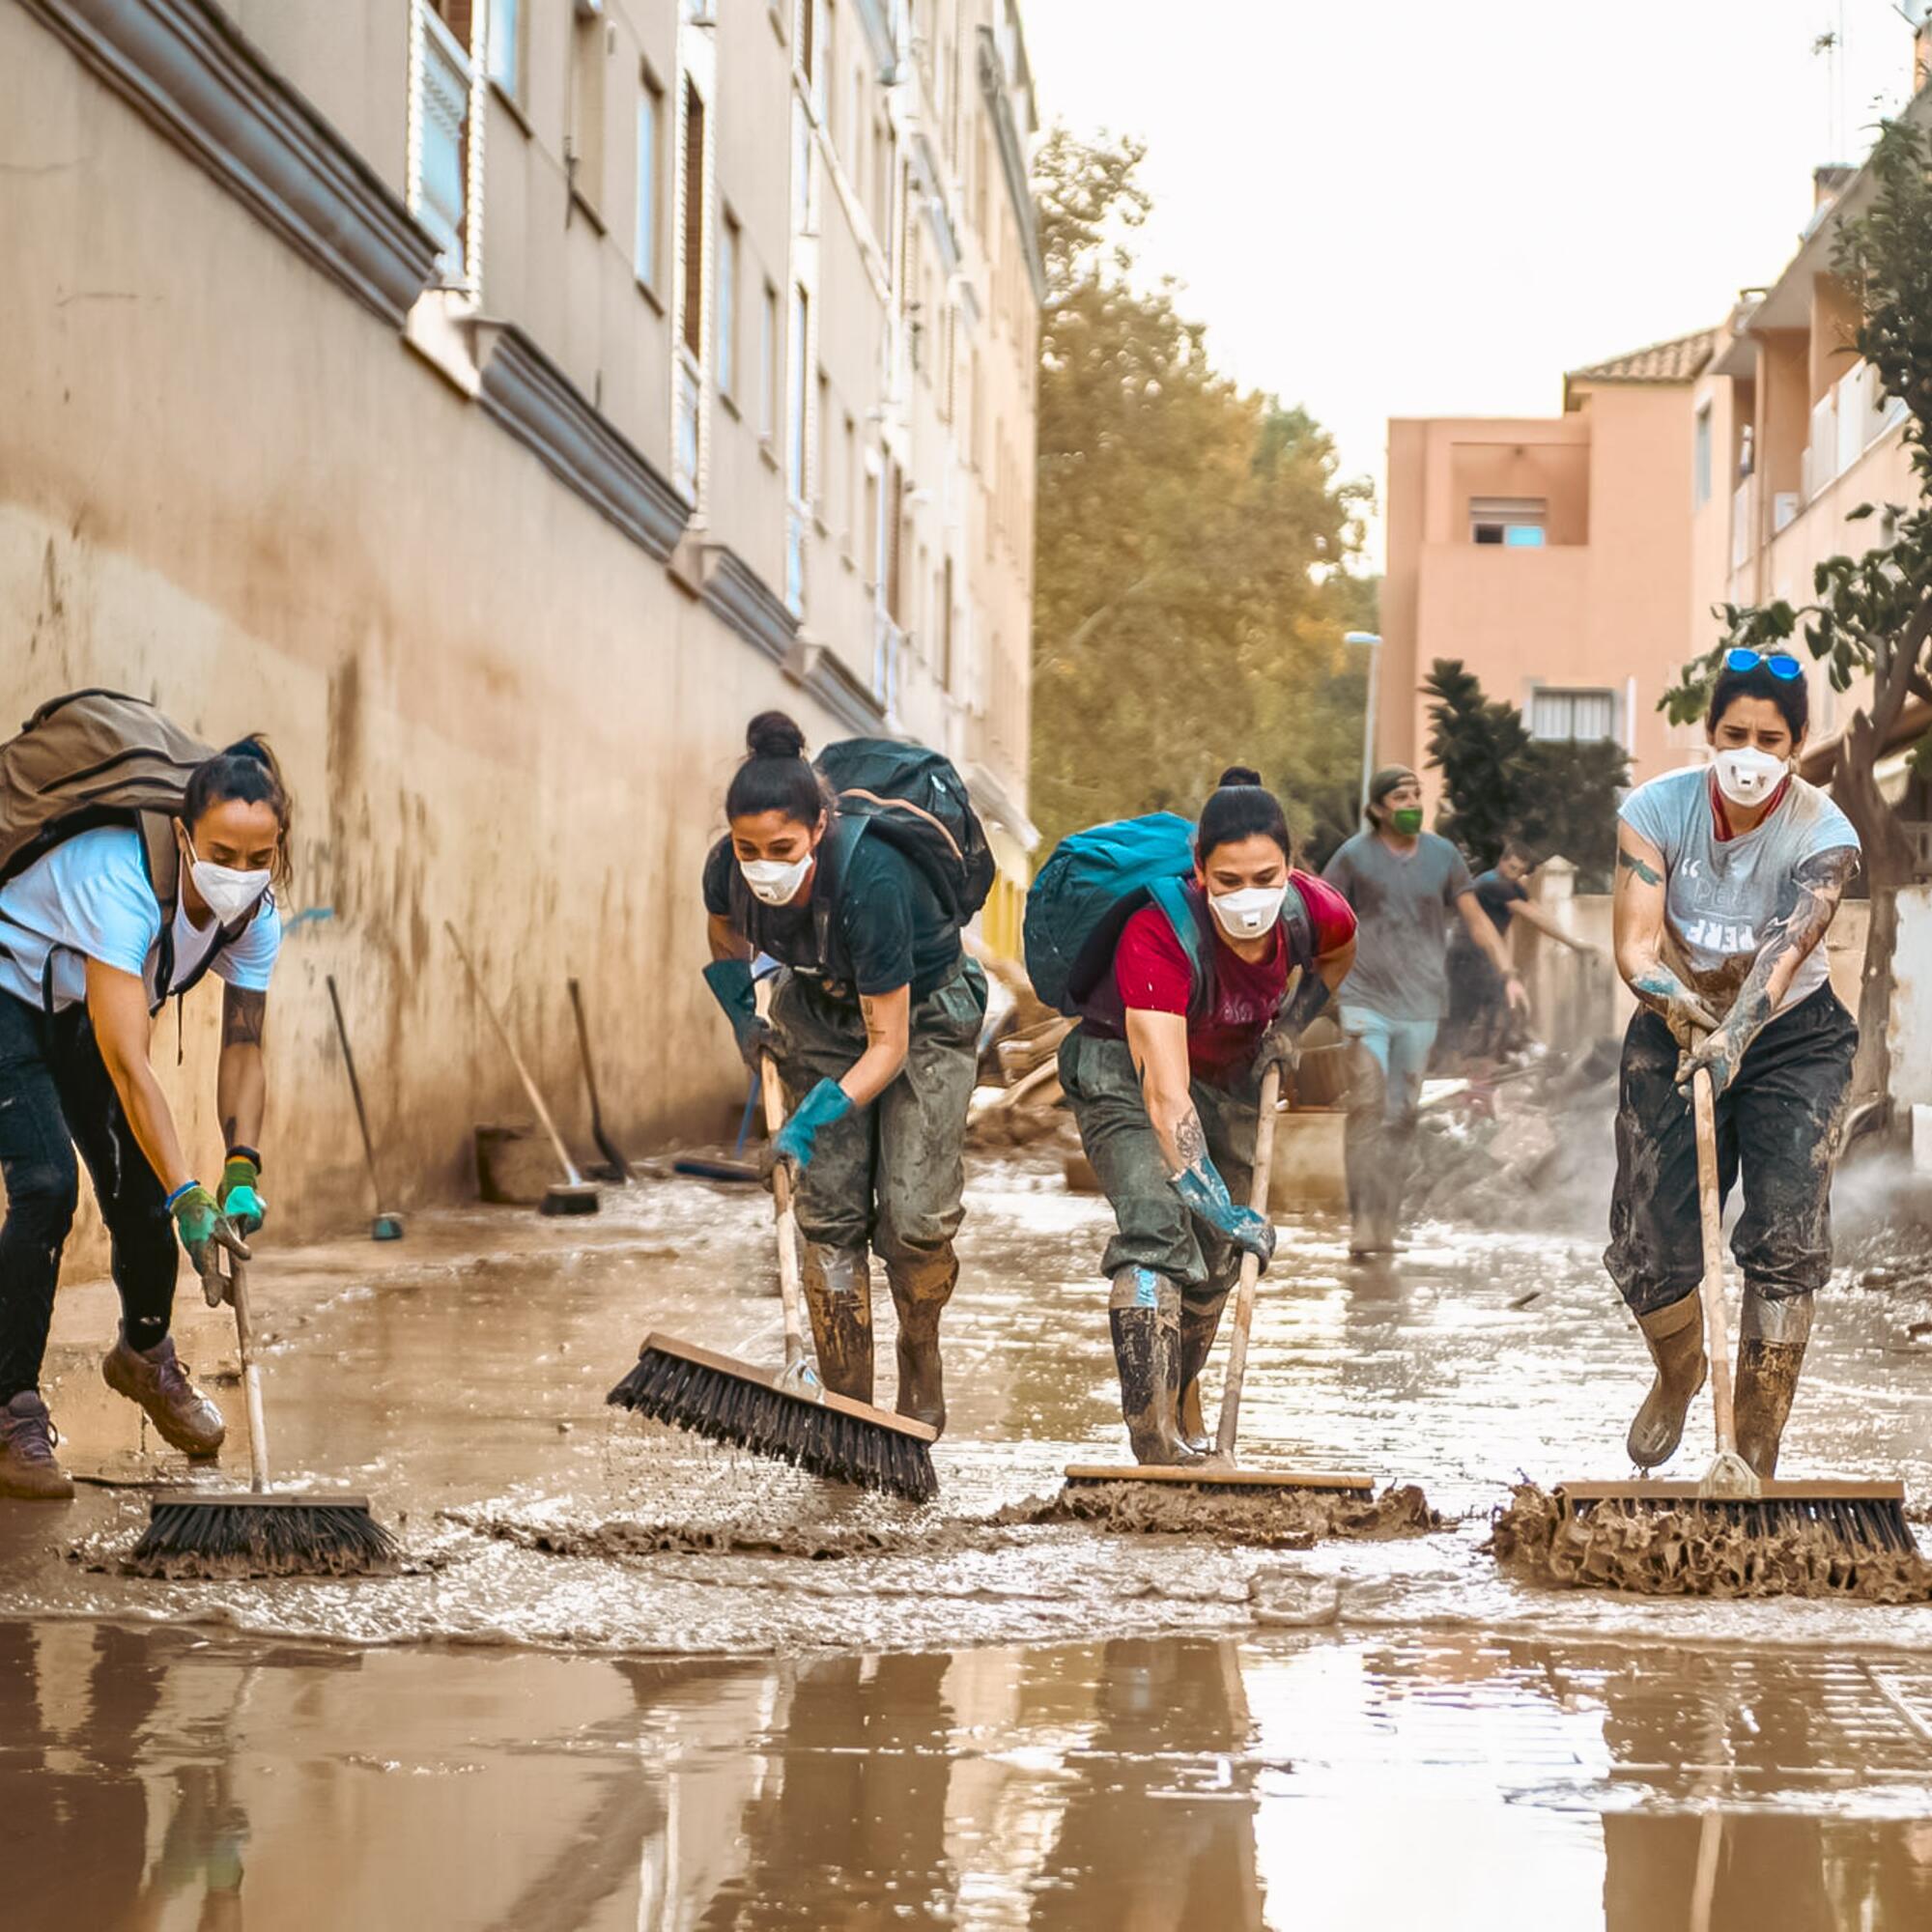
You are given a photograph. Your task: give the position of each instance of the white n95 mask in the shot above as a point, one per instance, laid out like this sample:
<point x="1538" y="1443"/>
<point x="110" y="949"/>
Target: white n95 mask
<point x="772" y="881"/>
<point x="227" y="893"/>
<point x="1747" y="776"/>
<point x="1249" y="913"/>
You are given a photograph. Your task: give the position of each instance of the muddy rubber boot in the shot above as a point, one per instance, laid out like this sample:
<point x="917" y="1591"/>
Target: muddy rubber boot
<point x="1200" y="1320"/>
<point x="921" y="1289"/>
<point x="1772" y="1337"/>
<point x="1362" y="1150"/>
<point x="27" y="1466"/>
<point x="837" y="1285"/>
<point x="1675" y="1336"/>
<point x="158" y="1380"/>
<point x="1143" y="1313"/>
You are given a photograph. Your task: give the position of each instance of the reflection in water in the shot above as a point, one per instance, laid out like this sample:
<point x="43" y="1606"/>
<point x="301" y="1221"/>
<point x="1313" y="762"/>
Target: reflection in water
<point x="159" y="1782"/>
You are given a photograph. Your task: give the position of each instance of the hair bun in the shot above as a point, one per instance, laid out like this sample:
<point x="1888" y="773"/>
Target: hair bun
<point x="771" y="735"/>
<point x="251" y="748"/>
<point x="1239" y="774"/>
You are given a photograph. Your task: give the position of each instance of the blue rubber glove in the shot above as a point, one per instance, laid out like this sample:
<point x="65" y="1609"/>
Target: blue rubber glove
<point x="239" y="1196"/>
<point x="1206" y="1195"/>
<point x="732" y="986"/>
<point x="795" y="1142"/>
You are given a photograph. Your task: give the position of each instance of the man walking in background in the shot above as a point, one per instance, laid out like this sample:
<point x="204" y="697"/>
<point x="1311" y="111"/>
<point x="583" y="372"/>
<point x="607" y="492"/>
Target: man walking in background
<point x="1403" y="883"/>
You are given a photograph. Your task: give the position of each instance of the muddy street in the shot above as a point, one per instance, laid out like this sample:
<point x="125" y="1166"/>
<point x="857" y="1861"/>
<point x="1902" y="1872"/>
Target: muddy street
<point x="628" y="1679"/>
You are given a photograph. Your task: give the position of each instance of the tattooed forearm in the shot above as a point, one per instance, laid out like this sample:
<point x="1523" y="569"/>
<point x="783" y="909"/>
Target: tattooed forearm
<point x="1806" y="905"/>
<point x="876" y="1031"/>
<point x="1645" y="871"/>
<point x="243" y="1015"/>
<point x="1190" y="1139"/>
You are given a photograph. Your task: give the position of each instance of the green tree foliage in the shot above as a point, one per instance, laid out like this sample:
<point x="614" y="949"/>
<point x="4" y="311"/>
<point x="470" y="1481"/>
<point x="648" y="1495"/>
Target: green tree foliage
<point x="1188" y="600"/>
<point x="1500" y="783"/>
<point x="1870" y="616"/>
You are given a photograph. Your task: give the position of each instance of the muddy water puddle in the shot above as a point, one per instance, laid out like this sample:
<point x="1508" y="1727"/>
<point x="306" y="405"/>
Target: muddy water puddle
<point x="160" y="1780"/>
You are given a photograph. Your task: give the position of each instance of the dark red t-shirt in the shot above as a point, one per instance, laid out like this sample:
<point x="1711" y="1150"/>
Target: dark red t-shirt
<point x="1152" y="976"/>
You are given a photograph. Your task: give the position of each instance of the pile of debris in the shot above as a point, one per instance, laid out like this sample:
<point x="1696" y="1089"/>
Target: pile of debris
<point x="1018" y="1098"/>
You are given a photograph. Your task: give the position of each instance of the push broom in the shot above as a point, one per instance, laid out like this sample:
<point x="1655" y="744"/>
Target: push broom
<point x="1220" y="1473"/>
<point x="1860" y="1517"/>
<point x="258" y="1531"/>
<point x="787" y="1414"/>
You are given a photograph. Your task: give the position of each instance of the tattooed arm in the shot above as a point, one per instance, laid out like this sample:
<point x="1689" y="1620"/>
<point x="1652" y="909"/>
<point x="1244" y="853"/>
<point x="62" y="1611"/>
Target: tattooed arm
<point x="1639" y="939"/>
<point x="1806" y="905"/>
<point x="888" y="1039"/>
<point x="242" y="1079"/>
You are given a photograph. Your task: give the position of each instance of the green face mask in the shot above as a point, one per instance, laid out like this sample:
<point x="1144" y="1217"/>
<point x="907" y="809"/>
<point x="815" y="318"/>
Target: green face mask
<point x="1407" y="820"/>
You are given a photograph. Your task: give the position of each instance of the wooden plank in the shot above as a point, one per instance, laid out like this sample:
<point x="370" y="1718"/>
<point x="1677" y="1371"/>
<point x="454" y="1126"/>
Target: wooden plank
<point x="185" y="1497"/>
<point x="823" y="1398"/>
<point x="1200" y="1473"/>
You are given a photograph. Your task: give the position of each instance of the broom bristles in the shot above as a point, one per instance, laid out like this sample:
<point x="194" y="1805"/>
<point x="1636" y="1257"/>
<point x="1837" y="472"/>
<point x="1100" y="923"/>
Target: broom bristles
<point x="251" y="1536"/>
<point x="747" y="1413"/>
<point x="1875" y="1522"/>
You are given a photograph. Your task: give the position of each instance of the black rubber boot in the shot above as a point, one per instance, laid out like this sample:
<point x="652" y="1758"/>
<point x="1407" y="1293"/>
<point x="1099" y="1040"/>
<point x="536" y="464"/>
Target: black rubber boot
<point x="921" y="1289"/>
<point x="1771" y="1339"/>
<point x="1143" y="1313"/>
<point x="1675" y="1336"/>
<point x="839" y="1297"/>
<point x="1200" y="1320"/>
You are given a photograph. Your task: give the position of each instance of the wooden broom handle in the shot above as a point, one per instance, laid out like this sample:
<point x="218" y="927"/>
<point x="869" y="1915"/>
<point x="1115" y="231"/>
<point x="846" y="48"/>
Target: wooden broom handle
<point x="251" y="1374"/>
<point x="784" y="1212"/>
<point x="1710" y="1215"/>
<point x="1251" y="1267"/>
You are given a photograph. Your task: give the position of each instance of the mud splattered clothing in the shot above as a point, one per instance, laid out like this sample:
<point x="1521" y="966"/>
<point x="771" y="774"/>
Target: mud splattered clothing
<point x="1402" y="903"/>
<point x="1721" y="889"/>
<point x="891" y="1175"/>
<point x="56" y="1096"/>
<point x="1778" y="1128"/>
<point x="1154" y="1228"/>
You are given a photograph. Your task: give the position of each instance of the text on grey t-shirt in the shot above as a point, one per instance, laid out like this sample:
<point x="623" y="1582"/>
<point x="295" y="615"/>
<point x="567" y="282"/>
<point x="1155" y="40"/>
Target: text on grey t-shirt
<point x="1401" y="902"/>
<point x="1720" y="895"/>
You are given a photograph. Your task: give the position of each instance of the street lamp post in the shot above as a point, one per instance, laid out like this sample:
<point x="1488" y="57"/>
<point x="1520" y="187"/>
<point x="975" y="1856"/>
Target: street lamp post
<point x="1374" y="642"/>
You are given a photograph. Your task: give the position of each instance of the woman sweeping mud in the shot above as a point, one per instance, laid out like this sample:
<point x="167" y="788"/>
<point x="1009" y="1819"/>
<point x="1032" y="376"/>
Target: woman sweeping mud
<point x="1163" y="1075"/>
<point x="88" y="956"/>
<point x="1727" y="878"/>
<point x="876" y="1025"/>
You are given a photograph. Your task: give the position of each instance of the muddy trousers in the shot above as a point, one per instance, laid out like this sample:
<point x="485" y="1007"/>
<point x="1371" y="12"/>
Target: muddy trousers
<point x="1153" y="1229"/>
<point x="55" y="1096"/>
<point x="1387" y="1060"/>
<point x="1777" y="1132"/>
<point x="889" y="1178"/>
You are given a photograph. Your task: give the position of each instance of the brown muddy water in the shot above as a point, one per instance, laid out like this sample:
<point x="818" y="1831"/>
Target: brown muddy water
<point x="627" y="1680"/>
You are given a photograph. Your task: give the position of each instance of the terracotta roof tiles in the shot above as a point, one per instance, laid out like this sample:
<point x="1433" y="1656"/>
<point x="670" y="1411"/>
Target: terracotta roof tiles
<point x="1680" y="360"/>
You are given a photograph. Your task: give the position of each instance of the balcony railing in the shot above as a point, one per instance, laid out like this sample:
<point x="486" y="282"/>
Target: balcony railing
<point x="685" y="445"/>
<point x="1845" y="422"/>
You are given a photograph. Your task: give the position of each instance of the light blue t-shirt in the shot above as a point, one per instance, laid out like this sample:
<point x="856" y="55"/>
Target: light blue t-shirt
<point x="89" y="899"/>
<point x="1721" y="894"/>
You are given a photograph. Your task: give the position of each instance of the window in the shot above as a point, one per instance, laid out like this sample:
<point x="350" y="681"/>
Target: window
<point x="728" y="241"/>
<point x="821" y="476"/>
<point x="807" y="41"/>
<point x="1584" y="716"/>
<point x="650" y="119"/>
<point x="438" y="196"/>
<point x="692" y="312"/>
<point x="797" y="396"/>
<point x="584" y="150"/>
<point x="768" y="365"/>
<point x="850" y="448"/>
<point x="1700" y="461"/>
<point x="1514" y="522"/>
<point x="506" y="51"/>
<point x="946" y="626"/>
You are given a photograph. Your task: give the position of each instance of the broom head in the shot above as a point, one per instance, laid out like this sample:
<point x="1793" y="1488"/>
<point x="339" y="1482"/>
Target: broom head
<point x="826" y="1435"/>
<point x="256" y="1534"/>
<point x="1861" y="1516"/>
<point x="1220" y="1476"/>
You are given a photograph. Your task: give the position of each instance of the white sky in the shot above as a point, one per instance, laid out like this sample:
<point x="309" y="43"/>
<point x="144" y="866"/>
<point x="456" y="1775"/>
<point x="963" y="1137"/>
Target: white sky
<point x="1436" y="207"/>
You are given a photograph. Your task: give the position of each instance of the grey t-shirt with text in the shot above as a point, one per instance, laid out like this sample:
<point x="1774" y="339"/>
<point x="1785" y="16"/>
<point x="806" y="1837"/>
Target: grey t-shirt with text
<point x="1720" y="895"/>
<point x="1402" y="902"/>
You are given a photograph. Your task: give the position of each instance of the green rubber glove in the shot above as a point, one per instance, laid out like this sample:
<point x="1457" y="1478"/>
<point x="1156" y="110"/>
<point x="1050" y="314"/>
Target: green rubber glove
<point x="200" y="1223"/>
<point x="238" y="1196"/>
<point x="732" y="986"/>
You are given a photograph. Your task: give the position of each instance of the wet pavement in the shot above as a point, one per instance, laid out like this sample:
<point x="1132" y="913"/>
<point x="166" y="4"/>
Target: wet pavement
<point x="626" y="1679"/>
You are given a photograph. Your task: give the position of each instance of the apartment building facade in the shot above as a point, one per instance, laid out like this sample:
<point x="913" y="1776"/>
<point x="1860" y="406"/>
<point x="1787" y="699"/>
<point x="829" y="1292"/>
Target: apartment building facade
<point x="498" y="401"/>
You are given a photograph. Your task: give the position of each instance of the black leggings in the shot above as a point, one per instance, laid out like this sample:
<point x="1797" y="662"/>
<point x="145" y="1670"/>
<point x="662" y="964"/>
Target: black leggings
<point x="1778" y="1128"/>
<point x="55" y="1096"/>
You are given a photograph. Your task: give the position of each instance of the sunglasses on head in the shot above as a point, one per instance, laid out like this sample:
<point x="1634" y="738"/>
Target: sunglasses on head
<point x="1780" y="663"/>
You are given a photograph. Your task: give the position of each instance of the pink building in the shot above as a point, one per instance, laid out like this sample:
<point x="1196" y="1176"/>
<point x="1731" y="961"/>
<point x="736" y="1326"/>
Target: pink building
<point x="1551" y="554"/>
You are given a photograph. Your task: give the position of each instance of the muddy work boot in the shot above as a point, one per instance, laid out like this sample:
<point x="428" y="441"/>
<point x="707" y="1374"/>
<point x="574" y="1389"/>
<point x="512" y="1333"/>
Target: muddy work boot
<point x="838" y="1287"/>
<point x="27" y="1466"/>
<point x="158" y="1380"/>
<point x="1143" y="1312"/>
<point x="1200" y="1320"/>
<point x="1675" y="1336"/>
<point x="1772" y="1336"/>
<point x="921" y="1289"/>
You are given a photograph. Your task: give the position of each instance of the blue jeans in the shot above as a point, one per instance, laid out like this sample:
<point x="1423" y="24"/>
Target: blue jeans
<point x="1401" y="1049"/>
